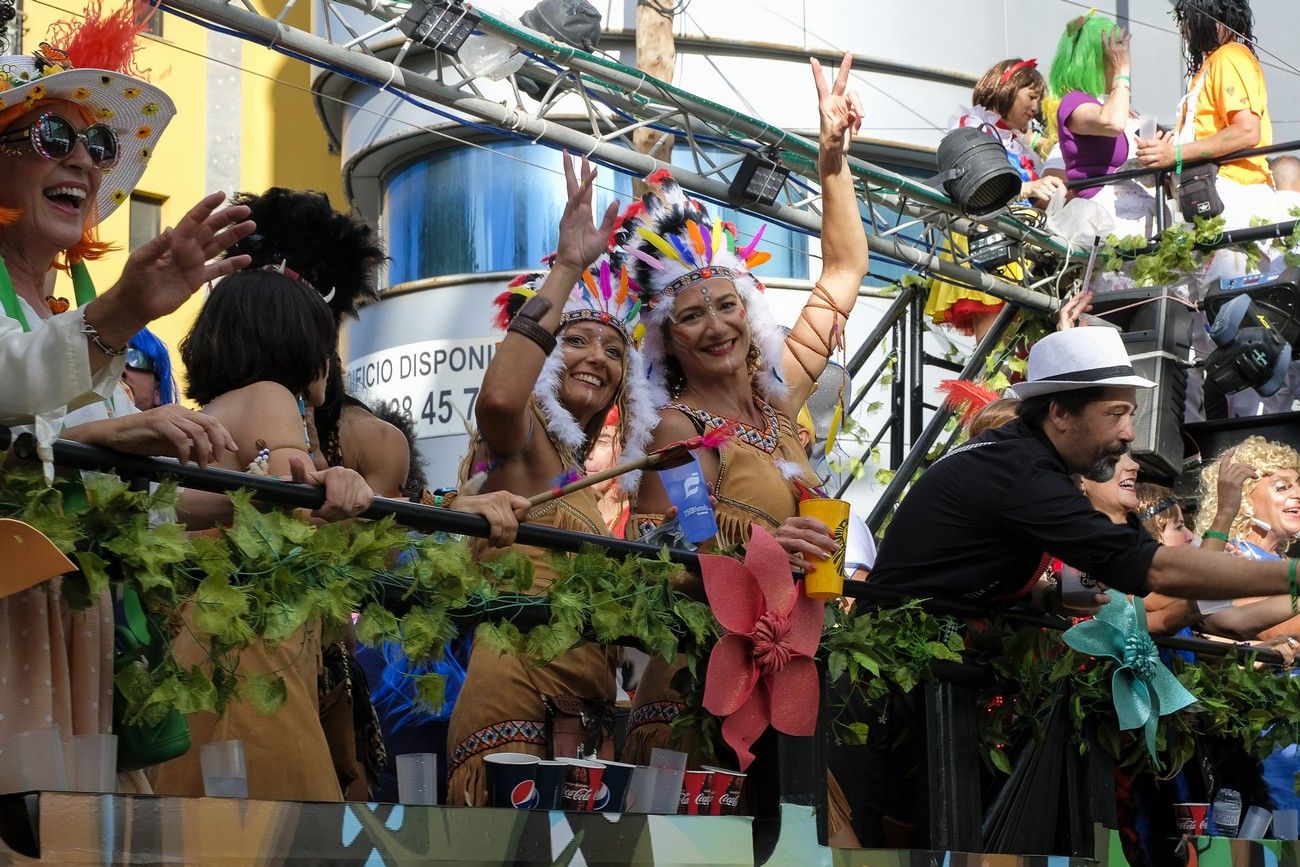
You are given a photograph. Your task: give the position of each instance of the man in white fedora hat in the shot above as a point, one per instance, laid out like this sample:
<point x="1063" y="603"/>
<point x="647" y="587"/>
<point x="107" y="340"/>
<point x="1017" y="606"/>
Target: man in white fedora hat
<point x="981" y="523"/>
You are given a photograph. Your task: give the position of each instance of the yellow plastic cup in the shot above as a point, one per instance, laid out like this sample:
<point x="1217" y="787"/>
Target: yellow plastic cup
<point x="826" y="580"/>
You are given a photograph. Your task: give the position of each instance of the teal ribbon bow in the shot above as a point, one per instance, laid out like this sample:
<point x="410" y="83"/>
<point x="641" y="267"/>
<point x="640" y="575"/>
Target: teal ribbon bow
<point x="1142" y="688"/>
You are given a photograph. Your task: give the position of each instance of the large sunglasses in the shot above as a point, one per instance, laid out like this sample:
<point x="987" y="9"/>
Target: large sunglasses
<point x="54" y="138"/>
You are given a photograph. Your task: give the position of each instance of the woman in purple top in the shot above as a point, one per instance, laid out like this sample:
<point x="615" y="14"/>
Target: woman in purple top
<point x="1090" y="77"/>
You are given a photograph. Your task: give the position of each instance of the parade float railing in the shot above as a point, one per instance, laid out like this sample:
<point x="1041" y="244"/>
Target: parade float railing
<point x="954" y="690"/>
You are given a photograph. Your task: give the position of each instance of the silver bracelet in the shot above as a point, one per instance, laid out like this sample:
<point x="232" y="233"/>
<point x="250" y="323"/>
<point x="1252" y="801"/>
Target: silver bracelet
<point x="92" y="334"/>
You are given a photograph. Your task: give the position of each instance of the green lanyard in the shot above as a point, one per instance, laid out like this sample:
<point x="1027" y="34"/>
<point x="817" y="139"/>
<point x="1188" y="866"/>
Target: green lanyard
<point x="82" y="288"/>
<point x="74" y="495"/>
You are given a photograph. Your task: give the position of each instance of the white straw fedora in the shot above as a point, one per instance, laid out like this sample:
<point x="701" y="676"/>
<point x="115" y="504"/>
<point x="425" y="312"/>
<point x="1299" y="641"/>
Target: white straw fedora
<point x="1078" y="358"/>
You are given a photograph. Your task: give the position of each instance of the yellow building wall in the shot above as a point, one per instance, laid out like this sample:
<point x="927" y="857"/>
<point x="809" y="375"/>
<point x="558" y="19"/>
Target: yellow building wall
<point x="282" y="141"/>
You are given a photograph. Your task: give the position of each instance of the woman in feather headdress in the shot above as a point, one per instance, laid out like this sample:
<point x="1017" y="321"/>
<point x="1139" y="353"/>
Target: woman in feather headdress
<point x="712" y="341"/>
<point x="568" y="356"/>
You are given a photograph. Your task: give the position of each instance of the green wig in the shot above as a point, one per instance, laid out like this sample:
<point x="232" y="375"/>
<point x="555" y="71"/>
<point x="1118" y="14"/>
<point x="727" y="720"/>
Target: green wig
<point x="1080" y="61"/>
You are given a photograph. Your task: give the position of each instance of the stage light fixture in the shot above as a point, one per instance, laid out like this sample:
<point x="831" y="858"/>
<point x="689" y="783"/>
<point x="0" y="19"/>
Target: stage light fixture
<point x="573" y="22"/>
<point x="1250" y="352"/>
<point x="760" y="178"/>
<point x="990" y="249"/>
<point x="443" y="25"/>
<point x="975" y="172"/>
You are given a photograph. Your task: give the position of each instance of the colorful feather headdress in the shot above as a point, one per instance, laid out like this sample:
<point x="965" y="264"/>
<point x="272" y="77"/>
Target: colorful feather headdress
<point x="672" y="243"/>
<point x="608" y="295"/>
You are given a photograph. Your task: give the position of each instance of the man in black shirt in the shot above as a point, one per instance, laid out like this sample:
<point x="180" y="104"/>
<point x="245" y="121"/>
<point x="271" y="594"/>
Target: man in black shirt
<point x="979" y="523"/>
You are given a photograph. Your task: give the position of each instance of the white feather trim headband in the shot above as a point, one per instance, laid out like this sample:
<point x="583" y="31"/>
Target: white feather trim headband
<point x="672" y="242"/>
<point x="605" y="294"/>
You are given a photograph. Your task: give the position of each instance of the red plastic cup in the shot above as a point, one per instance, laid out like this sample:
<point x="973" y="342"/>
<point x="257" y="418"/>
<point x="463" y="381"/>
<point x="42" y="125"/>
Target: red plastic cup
<point x="1190" y="818"/>
<point x="696" y="794"/>
<point x="725" y="788"/>
<point x="581" y="785"/>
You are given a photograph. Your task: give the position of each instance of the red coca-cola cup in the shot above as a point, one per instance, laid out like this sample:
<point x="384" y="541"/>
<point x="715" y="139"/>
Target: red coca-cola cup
<point x="696" y="794"/>
<point x="1190" y="818"/>
<point x="725" y="787"/>
<point x="581" y="784"/>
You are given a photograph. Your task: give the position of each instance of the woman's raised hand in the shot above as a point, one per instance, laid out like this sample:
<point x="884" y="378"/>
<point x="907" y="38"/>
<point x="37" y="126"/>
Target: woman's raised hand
<point x="161" y="275"/>
<point x="1070" y="314"/>
<point x="840" y="109"/>
<point x="581" y="241"/>
<point x="1115" y="45"/>
<point x="1230" y="486"/>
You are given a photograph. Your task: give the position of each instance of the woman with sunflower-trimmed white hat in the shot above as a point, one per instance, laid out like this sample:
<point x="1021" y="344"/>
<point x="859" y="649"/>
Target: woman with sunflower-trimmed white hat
<point x="76" y="130"/>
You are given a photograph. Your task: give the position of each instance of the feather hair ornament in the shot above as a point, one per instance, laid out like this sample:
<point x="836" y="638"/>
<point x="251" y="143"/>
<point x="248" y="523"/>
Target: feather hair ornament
<point x="969" y="397"/>
<point x="606" y="294"/>
<point x="672" y="242"/>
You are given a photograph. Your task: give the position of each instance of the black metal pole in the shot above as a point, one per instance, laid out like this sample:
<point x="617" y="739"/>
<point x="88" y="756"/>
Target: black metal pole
<point x="80" y="456"/>
<point x="896" y="310"/>
<point x="912" y="462"/>
<point x="1133" y="174"/>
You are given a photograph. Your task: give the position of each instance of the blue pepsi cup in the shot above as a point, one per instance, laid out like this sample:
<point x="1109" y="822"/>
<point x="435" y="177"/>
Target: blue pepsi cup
<point x="550" y="780"/>
<point x="689" y="493"/>
<point x="512" y="780"/>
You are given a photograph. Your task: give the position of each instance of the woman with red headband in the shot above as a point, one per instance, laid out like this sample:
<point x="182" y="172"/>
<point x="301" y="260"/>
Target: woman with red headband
<point x="1005" y="101"/>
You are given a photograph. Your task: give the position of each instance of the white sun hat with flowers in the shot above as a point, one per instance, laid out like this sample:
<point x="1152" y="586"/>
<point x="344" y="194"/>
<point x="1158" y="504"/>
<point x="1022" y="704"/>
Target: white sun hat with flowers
<point x="88" y="62"/>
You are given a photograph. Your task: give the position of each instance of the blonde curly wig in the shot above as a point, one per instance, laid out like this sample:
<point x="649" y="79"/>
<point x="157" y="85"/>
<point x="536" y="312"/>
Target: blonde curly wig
<point x="1266" y="458"/>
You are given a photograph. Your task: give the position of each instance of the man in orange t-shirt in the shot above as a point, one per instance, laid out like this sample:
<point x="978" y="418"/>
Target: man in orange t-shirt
<point x="1226" y="106"/>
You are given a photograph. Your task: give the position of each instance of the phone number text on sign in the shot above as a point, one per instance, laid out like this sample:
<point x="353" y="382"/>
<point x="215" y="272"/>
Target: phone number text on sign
<point x="435" y="382"/>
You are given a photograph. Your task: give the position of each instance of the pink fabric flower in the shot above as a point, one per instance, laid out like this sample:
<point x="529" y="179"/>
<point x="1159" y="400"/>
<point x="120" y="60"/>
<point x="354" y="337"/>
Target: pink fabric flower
<point x="761" y="672"/>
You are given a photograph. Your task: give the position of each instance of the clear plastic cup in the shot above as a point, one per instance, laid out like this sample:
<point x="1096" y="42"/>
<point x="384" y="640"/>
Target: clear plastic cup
<point x="670" y="770"/>
<point x="1146" y="127"/>
<point x="417" y="778"/>
<point x="1255" y="824"/>
<point x="40" y="760"/>
<point x="225" y="774"/>
<point x="689" y="493"/>
<point x="1285" y="824"/>
<point x="94" y="763"/>
<point x="641" y="790"/>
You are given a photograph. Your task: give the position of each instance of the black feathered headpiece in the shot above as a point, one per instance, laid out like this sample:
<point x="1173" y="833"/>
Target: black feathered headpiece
<point x="337" y="253"/>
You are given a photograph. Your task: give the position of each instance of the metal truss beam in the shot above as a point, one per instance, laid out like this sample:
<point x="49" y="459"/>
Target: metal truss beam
<point x="617" y="100"/>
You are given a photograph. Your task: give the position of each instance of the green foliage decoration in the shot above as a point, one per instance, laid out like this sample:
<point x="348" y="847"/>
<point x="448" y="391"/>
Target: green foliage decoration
<point x="268" y="573"/>
<point x="263" y="577"/>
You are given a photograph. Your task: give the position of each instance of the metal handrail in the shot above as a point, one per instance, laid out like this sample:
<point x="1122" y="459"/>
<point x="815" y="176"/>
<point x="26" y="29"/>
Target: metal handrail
<point x="81" y="456"/>
<point x="1132" y="174"/>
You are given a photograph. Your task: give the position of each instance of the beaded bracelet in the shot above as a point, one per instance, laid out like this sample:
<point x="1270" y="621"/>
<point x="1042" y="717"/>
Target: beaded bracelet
<point x="1215" y="534"/>
<point x="1290" y="577"/>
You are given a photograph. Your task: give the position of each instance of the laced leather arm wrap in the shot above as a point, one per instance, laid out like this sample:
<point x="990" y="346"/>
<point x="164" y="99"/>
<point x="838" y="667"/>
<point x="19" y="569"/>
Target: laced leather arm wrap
<point x="820" y="300"/>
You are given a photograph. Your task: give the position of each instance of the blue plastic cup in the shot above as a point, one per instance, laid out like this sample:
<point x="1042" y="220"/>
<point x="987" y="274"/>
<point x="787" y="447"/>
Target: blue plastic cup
<point x="689" y="493"/>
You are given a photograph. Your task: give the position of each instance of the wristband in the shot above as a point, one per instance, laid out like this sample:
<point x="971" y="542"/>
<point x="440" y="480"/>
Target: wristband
<point x="1178" y="157"/>
<point x="1290" y="577"/>
<point x="1215" y="534"/>
<point x="529" y="328"/>
<point x="1121" y="79"/>
<point x="92" y="334"/>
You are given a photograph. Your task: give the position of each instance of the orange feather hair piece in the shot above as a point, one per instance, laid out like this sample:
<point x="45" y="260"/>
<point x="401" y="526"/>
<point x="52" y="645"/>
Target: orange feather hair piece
<point x="964" y="393"/>
<point x="104" y="41"/>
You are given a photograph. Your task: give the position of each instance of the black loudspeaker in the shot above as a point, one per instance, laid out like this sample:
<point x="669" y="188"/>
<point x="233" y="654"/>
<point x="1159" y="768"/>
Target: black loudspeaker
<point x="1157" y="332"/>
